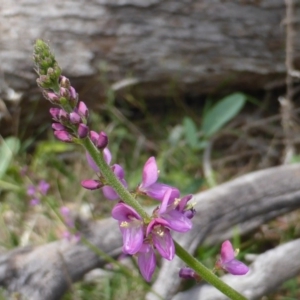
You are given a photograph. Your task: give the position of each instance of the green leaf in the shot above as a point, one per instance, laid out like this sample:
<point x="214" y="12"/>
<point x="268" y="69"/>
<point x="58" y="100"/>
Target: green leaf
<point x="190" y="131"/>
<point x="9" y="147"/>
<point x="221" y="113"/>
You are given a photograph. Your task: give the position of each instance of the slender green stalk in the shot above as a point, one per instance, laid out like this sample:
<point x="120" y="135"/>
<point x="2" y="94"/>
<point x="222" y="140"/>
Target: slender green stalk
<point x="206" y="274"/>
<point x="112" y="180"/>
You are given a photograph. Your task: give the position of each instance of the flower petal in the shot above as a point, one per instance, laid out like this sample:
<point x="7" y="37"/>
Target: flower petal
<point x="133" y="237"/>
<point x="109" y="193"/>
<point x="177" y="221"/>
<point x="163" y="242"/>
<point x="227" y="252"/>
<point x="150" y="173"/>
<point x="236" y="267"/>
<point x="124" y="212"/>
<point x="147" y="261"/>
<point x="165" y="201"/>
<point x="158" y="190"/>
<point x="91" y="163"/>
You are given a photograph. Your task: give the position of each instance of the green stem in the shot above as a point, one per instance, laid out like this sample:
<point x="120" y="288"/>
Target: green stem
<point x="112" y="180"/>
<point x="206" y="274"/>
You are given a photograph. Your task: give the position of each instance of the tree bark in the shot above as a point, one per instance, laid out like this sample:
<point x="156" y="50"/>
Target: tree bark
<point x="246" y="202"/>
<point x="193" y="46"/>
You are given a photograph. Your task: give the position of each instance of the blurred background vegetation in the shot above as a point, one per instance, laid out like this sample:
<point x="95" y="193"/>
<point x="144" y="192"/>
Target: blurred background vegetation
<point x="198" y="143"/>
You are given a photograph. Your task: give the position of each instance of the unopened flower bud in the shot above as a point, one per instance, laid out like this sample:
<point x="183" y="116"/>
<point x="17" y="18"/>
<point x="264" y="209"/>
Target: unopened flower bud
<point x="74" y="118"/>
<point x="83" y="110"/>
<point x="190" y="213"/>
<point x="64" y="82"/>
<point x="83" y="131"/>
<point x="102" y="140"/>
<point x="188" y="273"/>
<point x="73" y="98"/>
<point x="52" y="97"/>
<point x="55" y="113"/>
<point x="94" y="136"/>
<point x="91" y="184"/>
<point x="58" y="127"/>
<point x="63" y="136"/>
<point x="64" y="92"/>
<point x="63" y="116"/>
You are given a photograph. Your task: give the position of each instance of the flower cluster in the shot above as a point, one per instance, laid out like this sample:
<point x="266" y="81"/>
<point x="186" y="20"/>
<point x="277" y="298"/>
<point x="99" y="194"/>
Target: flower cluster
<point x="143" y="235"/>
<point x="36" y="192"/>
<point x="70" y="120"/>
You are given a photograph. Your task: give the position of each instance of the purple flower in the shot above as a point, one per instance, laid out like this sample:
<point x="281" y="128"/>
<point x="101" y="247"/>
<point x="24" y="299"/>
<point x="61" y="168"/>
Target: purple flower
<point x="131" y="226"/>
<point x="176" y="218"/>
<point x="31" y="190"/>
<point x="161" y="237"/>
<point x="34" y="202"/>
<point x="36" y="192"/>
<point x="150" y="187"/>
<point x="146" y="261"/>
<point x="43" y="187"/>
<point x="228" y="262"/>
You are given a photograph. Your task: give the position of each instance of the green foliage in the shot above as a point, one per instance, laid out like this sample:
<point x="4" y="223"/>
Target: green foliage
<point x="8" y="148"/>
<point x="221" y="113"/>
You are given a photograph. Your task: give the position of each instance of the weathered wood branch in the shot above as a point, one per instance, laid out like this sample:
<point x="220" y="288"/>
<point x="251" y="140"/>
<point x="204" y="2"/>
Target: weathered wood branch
<point x="247" y="201"/>
<point x="199" y="45"/>
<point x="267" y="273"/>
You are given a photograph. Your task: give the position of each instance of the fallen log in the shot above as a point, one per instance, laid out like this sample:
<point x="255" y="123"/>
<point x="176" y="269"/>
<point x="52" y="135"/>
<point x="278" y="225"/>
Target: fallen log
<point x="194" y="46"/>
<point x="249" y="200"/>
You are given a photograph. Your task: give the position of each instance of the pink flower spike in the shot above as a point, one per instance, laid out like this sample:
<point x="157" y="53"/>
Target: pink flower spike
<point x="146" y="261"/>
<point x="228" y="262"/>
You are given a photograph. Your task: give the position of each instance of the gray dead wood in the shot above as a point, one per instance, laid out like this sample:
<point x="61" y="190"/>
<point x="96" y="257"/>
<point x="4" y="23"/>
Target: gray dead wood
<point x="194" y="45"/>
<point x="45" y="272"/>
<point x="268" y="272"/>
<point x="244" y="203"/>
